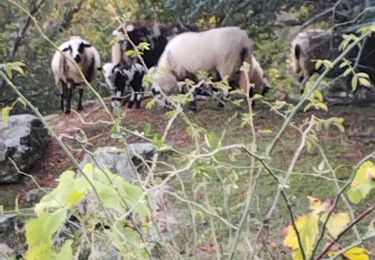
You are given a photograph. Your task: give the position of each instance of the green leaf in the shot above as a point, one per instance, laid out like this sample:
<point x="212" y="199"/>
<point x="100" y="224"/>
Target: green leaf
<point x="68" y="193"/>
<point x="65" y="252"/>
<point x="39" y="234"/>
<point x="354" y="82"/>
<point x="362" y="183"/>
<point x="347" y="72"/>
<point x="354" y="196"/>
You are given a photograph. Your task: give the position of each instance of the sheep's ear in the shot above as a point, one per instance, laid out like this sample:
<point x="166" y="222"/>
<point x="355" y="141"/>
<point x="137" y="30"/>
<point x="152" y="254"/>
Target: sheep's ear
<point x="87" y="45"/>
<point x="69" y="48"/>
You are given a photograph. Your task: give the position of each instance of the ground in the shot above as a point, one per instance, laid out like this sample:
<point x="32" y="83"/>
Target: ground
<point x="343" y="149"/>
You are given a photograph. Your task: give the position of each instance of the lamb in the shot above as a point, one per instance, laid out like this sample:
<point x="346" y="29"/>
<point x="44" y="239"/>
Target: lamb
<point x="157" y="35"/>
<point x="66" y="74"/>
<point x="119" y="78"/>
<point x="221" y="50"/>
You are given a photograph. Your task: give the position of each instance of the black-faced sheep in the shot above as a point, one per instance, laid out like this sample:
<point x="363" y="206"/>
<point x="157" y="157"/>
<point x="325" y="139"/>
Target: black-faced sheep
<point x="313" y="45"/>
<point x="67" y="76"/>
<point x="119" y="78"/>
<point x="220" y="50"/>
<point x="157" y="35"/>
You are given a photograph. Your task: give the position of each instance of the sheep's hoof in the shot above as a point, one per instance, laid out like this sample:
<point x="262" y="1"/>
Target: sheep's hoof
<point x="130" y="105"/>
<point x="138" y="106"/>
<point x="80" y="108"/>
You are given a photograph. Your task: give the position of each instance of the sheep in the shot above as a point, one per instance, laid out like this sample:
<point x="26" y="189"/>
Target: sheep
<point x="157" y="35"/>
<point x="220" y="50"/>
<point x="119" y="78"/>
<point x="313" y="45"/>
<point x="307" y="47"/>
<point x="66" y="74"/>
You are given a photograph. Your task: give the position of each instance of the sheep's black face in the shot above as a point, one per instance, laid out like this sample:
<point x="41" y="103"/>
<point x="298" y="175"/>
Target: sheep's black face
<point x="78" y="50"/>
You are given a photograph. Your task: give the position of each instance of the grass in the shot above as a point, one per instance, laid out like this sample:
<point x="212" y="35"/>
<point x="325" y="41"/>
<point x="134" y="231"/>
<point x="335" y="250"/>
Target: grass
<point x="305" y="182"/>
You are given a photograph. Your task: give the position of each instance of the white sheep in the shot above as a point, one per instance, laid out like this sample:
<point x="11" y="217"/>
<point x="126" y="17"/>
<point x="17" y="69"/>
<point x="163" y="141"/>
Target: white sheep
<point x="67" y="76"/>
<point x="221" y="50"/>
<point x="119" y="77"/>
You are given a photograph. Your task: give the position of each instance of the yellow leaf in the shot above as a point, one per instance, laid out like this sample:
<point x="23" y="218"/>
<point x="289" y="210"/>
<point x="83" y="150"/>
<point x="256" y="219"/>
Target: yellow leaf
<point x="364" y="82"/>
<point x="371" y="173"/>
<point x="318" y="94"/>
<point x="315" y="203"/>
<point x="357" y="253"/>
<point x="5" y="114"/>
<point x="307" y="226"/>
<point x="337" y="222"/>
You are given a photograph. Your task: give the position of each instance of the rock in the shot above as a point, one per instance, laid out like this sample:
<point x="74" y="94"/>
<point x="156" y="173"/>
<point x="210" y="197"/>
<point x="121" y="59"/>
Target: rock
<point x="119" y="161"/>
<point x="5" y="250"/>
<point x="337" y="96"/>
<point x="7" y="223"/>
<point x="35" y="195"/>
<point x="23" y="139"/>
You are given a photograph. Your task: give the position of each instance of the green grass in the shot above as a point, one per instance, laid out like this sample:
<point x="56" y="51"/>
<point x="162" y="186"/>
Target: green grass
<point x="305" y="182"/>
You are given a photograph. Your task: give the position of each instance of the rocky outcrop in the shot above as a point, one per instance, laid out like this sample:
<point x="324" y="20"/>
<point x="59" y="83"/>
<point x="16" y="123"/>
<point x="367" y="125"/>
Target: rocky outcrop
<point x="23" y="139"/>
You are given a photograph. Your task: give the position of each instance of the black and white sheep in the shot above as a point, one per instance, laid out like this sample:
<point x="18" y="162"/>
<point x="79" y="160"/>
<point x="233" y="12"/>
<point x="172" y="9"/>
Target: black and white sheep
<point x="156" y="34"/>
<point x="312" y="45"/>
<point x="220" y="50"/>
<point x="119" y="78"/>
<point x="67" y="75"/>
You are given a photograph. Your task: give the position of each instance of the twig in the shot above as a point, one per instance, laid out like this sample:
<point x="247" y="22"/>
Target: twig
<point x="347" y="228"/>
<point x="357" y="243"/>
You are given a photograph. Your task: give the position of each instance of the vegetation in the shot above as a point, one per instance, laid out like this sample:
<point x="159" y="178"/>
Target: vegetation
<point x="270" y="184"/>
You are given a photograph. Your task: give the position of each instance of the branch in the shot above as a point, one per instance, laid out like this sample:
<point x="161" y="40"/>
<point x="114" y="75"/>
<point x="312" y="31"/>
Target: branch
<point x="342" y="233"/>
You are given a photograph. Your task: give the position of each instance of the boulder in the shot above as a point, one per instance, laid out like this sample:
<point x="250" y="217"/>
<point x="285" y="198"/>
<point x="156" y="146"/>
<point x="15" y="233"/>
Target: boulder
<point x="121" y="161"/>
<point x="22" y="138"/>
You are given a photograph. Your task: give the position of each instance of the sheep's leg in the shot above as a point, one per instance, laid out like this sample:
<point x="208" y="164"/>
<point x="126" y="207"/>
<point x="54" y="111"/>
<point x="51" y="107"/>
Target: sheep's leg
<point x="138" y="100"/>
<point x="62" y="102"/>
<point x="80" y="95"/>
<point x="69" y="99"/>
<point x="303" y="83"/>
<point x="63" y="89"/>
<point x="132" y="98"/>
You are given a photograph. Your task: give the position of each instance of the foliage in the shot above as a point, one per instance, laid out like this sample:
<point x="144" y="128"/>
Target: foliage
<point x="216" y="179"/>
<point x="97" y="199"/>
<point x="363" y="182"/>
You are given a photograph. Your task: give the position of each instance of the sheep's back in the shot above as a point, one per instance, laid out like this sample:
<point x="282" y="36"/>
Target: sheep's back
<point x="205" y="50"/>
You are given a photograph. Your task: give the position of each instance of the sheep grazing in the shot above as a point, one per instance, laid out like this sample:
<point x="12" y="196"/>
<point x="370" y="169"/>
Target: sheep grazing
<point x="221" y="50"/>
<point x="313" y="45"/>
<point x="119" y="78"/>
<point x="67" y="75"/>
<point x="306" y="48"/>
<point x="157" y="35"/>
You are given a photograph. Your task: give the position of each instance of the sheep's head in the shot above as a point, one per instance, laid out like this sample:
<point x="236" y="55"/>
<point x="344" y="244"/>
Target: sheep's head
<point x="258" y="78"/>
<point x="76" y="48"/>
